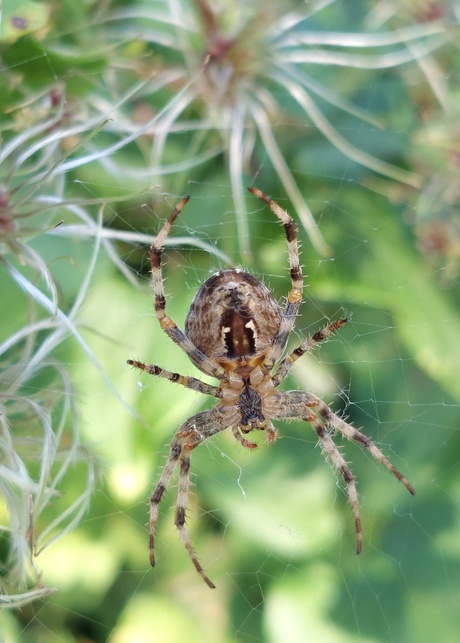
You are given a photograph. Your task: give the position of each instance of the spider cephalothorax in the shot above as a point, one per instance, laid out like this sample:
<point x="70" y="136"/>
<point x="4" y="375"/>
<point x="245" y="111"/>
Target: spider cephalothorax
<point x="236" y="332"/>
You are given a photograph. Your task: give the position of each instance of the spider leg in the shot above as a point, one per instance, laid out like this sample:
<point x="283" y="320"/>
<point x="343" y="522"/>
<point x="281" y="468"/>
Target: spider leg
<point x="354" y="435"/>
<point x="331" y="450"/>
<point x="320" y="335"/>
<point x="182" y="497"/>
<point x="189" y="382"/>
<point x="157" y="495"/>
<point x="295" y="295"/>
<point x="242" y="440"/>
<point x="194" y="431"/>
<point x="299" y="404"/>
<point x="206" y="364"/>
<point x="295" y="404"/>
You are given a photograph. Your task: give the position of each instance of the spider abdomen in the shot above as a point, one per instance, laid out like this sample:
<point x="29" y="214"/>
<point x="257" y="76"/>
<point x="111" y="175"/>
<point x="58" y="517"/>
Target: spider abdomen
<point x="233" y="316"/>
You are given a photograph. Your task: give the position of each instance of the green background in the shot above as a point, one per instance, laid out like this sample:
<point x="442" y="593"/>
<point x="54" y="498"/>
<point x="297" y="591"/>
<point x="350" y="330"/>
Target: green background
<point x="272" y="529"/>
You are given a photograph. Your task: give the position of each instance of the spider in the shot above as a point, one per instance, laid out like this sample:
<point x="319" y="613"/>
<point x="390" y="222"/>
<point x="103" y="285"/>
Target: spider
<point x="236" y="332"/>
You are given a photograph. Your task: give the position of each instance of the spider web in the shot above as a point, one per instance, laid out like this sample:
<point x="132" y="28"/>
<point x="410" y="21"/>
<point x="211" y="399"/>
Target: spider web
<point x="273" y="528"/>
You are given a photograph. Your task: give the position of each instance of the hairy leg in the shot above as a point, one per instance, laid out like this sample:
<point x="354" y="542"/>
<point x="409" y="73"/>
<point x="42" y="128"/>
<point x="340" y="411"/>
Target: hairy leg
<point x="331" y="451"/>
<point x="203" y="362"/>
<point x="188" y="382"/>
<point x="188" y="437"/>
<point x="295" y="295"/>
<point x="320" y="335"/>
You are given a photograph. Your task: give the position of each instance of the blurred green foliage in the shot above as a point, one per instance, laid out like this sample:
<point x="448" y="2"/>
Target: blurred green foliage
<point x="272" y="528"/>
